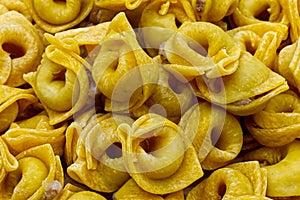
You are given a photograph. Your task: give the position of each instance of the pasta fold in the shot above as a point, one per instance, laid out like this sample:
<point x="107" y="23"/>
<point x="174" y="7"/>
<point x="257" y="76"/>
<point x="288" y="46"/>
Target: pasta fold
<point x="246" y="180"/>
<point x="61" y="16"/>
<point x="160" y="19"/>
<point x="280" y="182"/>
<point x="32" y="132"/>
<point x="61" y="82"/>
<point x="21" y="48"/>
<point x="13" y="102"/>
<point x="156" y="155"/>
<point x="247" y="90"/>
<point x="18" y="6"/>
<point x="193" y="51"/>
<point x="99" y="163"/>
<point x="39" y="162"/>
<point x="72" y="192"/>
<point x="216" y="135"/>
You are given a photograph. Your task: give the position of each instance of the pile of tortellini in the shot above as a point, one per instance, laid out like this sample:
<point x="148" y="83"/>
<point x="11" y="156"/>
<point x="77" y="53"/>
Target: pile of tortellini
<point x="149" y="99"/>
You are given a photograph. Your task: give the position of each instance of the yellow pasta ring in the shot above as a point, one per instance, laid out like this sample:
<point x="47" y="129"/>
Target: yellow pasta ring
<point x="43" y="163"/>
<point x="100" y="158"/>
<point x="21" y="48"/>
<point x="251" y="12"/>
<point x="278" y="123"/>
<point x="214" y="55"/>
<point x="61" y="16"/>
<point x="160" y="171"/>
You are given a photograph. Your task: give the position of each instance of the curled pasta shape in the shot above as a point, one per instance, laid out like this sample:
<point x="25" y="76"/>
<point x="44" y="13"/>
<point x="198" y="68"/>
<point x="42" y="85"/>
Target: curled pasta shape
<point x="194" y="51"/>
<point x="99" y="163"/>
<point x="161" y="18"/>
<point x="288" y="64"/>
<point x="156" y="155"/>
<point x="281" y="182"/>
<point x="13" y="102"/>
<point x="32" y="132"/>
<point x="278" y="123"/>
<point x="246" y="180"/>
<point x="18" y="6"/>
<point x="117" y="5"/>
<point x="216" y="135"/>
<point x="61" y="15"/>
<point x="8" y="162"/>
<point x="170" y="98"/>
<point x="130" y="190"/>
<point x="21" y="48"/>
<point x="39" y="162"/>
<point x="251" y="12"/>
<point x="72" y="192"/>
<point x="119" y="59"/>
<point x="61" y="83"/>
<point x="214" y="10"/>
<point x="247" y="90"/>
<point x="262" y="44"/>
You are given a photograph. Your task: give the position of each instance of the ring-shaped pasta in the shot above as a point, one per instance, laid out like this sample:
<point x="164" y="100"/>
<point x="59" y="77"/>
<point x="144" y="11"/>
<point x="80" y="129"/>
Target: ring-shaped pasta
<point x="194" y="47"/>
<point x="162" y="18"/>
<point x="20" y="48"/>
<point x="278" y="123"/>
<point x="39" y="162"/>
<point x="216" y="135"/>
<point x="13" y="102"/>
<point x="32" y="132"/>
<point x="224" y="183"/>
<point x="280" y="182"/>
<point x="61" y="16"/>
<point x="156" y="155"/>
<point x="100" y="163"/>
<point x="213" y="10"/>
<point x="121" y="58"/>
<point x="251" y="12"/>
<point x="262" y="40"/>
<point x="247" y="90"/>
<point x="61" y="75"/>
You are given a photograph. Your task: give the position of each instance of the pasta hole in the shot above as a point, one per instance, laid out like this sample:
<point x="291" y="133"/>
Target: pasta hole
<point x="59" y="76"/>
<point x="60" y="1"/>
<point x="15" y="50"/>
<point x="200" y="49"/>
<point x="264" y="15"/>
<point x="222" y="190"/>
<point x="114" y="150"/>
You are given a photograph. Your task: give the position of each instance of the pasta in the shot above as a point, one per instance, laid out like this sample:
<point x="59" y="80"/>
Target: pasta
<point x="21" y="48"/>
<point x="61" y="16"/>
<point x="140" y="99"/>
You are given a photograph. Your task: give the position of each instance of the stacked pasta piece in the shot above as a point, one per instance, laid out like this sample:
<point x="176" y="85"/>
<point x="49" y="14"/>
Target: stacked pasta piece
<point x="149" y="99"/>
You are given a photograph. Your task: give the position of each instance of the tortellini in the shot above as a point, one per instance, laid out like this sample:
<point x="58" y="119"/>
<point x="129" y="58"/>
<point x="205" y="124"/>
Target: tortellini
<point x="156" y="155"/>
<point x="99" y="163"/>
<point x="282" y="168"/>
<point x="38" y="162"/>
<point x="277" y="124"/>
<point x="149" y="99"/>
<point x="245" y="180"/>
<point x="61" y="16"/>
<point x="21" y="50"/>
